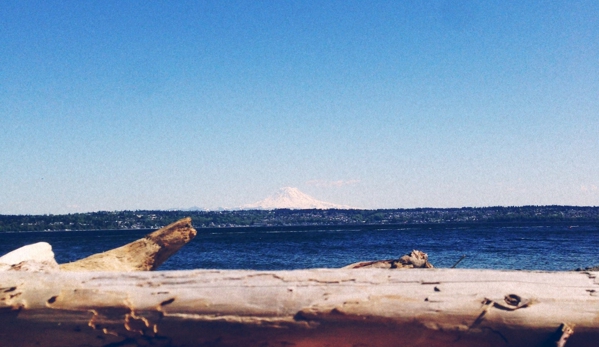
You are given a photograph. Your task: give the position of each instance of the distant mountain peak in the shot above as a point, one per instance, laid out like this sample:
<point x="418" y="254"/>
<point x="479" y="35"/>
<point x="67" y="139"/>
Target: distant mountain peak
<point x="292" y="198"/>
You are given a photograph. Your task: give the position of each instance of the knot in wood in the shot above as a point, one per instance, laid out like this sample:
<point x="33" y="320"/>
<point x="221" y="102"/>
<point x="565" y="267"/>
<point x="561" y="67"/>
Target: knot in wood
<point x="513" y="299"/>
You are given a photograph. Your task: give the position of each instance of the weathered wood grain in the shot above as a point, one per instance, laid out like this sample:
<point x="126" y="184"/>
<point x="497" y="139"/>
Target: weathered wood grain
<point x="322" y="307"/>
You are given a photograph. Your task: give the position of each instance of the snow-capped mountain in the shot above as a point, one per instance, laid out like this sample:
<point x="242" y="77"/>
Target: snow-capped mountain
<point x="292" y="198"/>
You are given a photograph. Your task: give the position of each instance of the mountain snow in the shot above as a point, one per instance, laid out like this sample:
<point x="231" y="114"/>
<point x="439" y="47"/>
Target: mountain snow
<point x="292" y="198"/>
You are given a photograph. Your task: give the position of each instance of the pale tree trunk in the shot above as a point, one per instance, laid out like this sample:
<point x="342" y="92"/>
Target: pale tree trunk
<point x="333" y="307"/>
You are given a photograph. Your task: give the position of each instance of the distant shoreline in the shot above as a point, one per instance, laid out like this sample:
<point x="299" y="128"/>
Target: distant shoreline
<point x="308" y="219"/>
<point x="457" y="225"/>
<point x="446" y="225"/>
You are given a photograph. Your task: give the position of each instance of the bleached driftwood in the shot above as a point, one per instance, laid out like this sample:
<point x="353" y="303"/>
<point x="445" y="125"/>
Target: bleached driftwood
<point x="41" y="251"/>
<point x="34" y="257"/>
<point x="336" y="307"/>
<point x="144" y="254"/>
<point x="414" y="259"/>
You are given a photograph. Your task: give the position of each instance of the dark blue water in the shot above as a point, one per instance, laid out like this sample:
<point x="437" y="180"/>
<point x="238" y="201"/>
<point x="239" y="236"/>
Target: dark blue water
<point x="526" y="248"/>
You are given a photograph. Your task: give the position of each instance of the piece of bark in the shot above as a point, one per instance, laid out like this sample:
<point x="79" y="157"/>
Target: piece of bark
<point x="302" y="308"/>
<point x="414" y="259"/>
<point x="144" y="254"/>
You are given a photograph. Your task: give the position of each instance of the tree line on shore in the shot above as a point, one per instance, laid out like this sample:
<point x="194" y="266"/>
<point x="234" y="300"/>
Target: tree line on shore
<point x="148" y="219"/>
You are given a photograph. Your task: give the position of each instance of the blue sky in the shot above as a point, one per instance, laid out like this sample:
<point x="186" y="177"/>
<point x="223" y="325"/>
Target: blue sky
<point x="113" y="105"/>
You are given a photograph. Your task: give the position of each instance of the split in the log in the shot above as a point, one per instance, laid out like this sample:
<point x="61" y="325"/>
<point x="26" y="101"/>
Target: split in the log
<point x="560" y="337"/>
<point x="144" y="254"/>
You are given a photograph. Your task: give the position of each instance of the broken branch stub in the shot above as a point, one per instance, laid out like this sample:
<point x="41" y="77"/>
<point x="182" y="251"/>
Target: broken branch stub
<point x="144" y="254"/>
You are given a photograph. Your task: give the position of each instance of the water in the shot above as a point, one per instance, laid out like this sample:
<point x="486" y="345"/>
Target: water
<point x="524" y="247"/>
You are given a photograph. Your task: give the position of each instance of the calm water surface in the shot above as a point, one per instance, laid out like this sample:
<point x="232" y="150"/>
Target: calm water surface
<point x="526" y="248"/>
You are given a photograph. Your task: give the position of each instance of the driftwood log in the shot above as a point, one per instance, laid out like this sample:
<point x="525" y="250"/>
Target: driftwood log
<point x="34" y="257"/>
<point x="144" y="254"/>
<point x="323" y="307"/>
<point x="414" y="259"/>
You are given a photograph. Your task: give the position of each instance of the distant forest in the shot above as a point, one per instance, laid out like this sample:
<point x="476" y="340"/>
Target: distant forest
<point x="291" y="218"/>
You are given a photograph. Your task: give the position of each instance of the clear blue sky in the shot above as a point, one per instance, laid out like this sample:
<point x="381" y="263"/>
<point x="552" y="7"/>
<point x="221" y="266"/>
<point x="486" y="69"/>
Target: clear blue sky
<point x="113" y="105"/>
